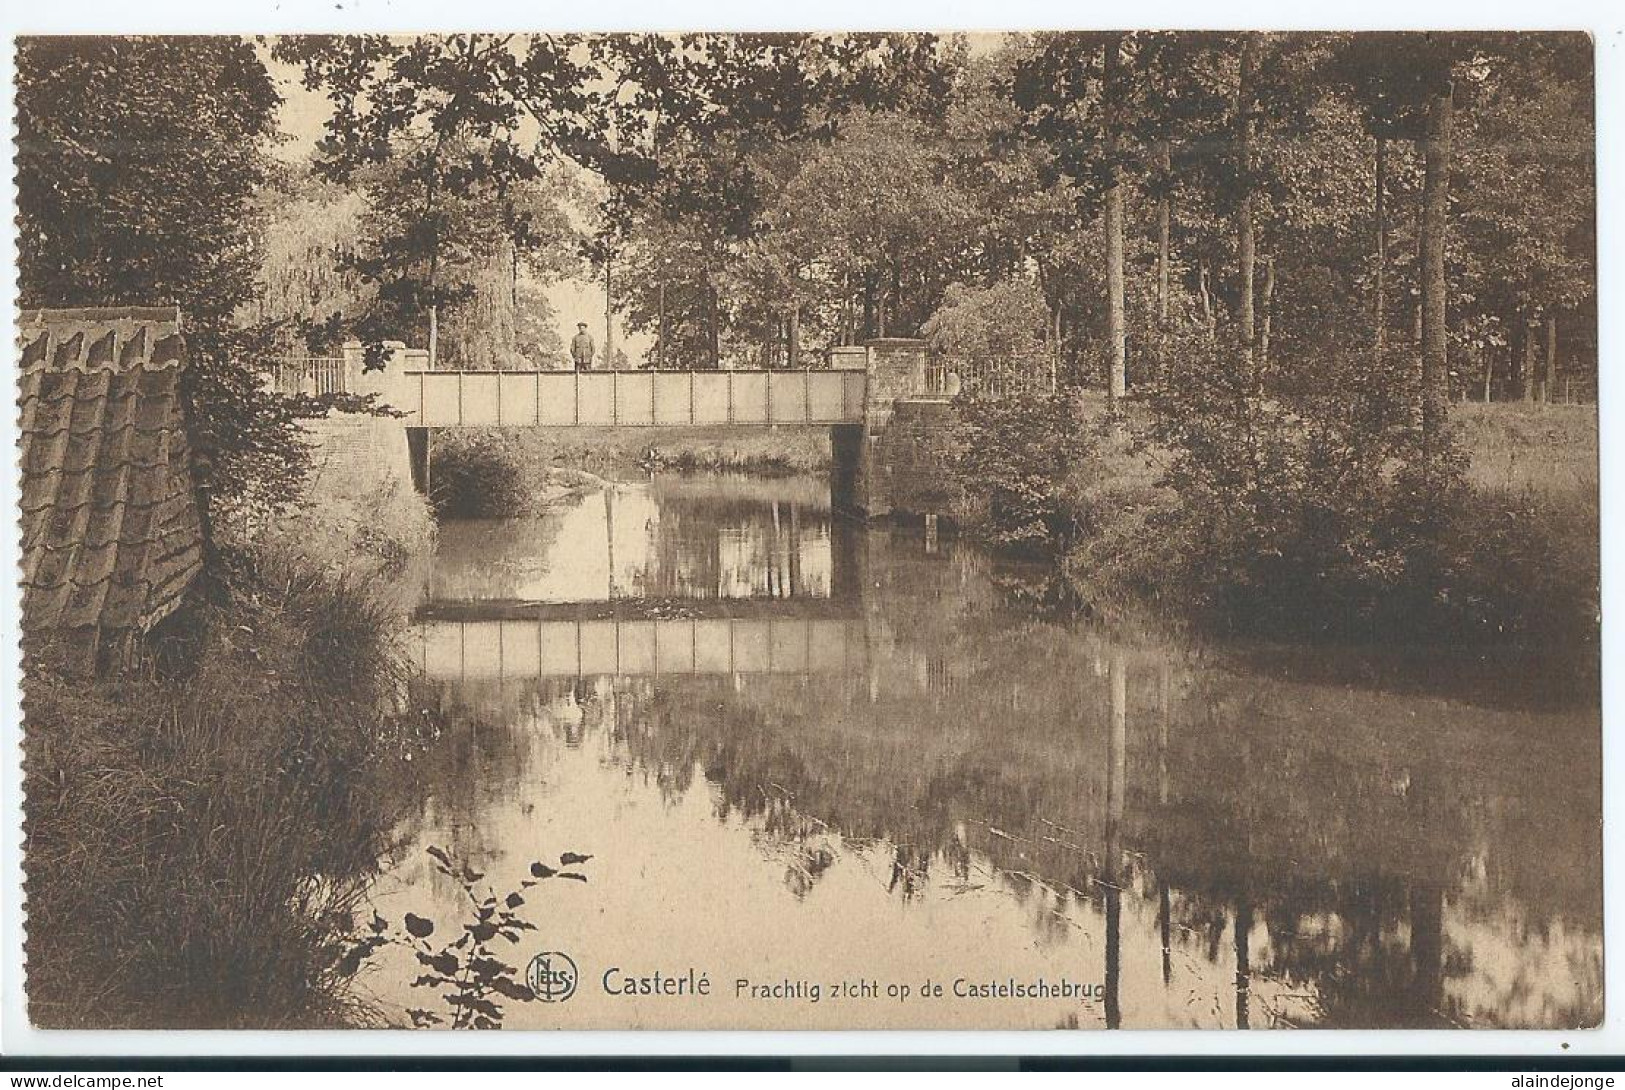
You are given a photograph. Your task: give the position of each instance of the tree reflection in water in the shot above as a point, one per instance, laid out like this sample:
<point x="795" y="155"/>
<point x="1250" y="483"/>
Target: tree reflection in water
<point x="1355" y="853"/>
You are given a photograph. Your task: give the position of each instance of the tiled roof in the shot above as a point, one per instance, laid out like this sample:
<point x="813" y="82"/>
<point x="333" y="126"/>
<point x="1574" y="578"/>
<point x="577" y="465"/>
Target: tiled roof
<point x="111" y="531"/>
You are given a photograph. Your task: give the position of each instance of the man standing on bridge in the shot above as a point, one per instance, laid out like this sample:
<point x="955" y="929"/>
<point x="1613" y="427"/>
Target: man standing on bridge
<point x="581" y="348"/>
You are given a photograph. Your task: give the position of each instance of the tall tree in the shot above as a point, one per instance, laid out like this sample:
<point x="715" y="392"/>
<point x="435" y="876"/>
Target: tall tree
<point x="671" y="123"/>
<point x="736" y="119"/>
<point x="1077" y="96"/>
<point x="1112" y="92"/>
<point x="138" y="188"/>
<point x="1435" y="212"/>
<point x="1390" y="101"/>
<point x="1246" y="246"/>
<point x="1524" y="231"/>
<point x="446" y="132"/>
<point x="309" y="286"/>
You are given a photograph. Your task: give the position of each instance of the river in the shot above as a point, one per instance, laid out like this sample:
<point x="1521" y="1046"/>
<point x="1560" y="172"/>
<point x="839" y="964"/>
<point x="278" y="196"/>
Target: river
<point x="804" y="753"/>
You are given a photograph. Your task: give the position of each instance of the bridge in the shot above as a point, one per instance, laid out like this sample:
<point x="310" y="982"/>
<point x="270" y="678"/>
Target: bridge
<point x="856" y="396"/>
<point x="628" y="399"/>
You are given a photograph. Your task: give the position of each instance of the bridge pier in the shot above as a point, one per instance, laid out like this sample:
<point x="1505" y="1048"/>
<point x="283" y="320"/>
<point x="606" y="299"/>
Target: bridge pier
<point x="856" y="476"/>
<point x="417" y="451"/>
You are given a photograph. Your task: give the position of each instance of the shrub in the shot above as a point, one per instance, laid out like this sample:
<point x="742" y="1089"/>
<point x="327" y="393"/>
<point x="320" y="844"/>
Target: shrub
<point x="486" y="473"/>
<point x="1004" y="321"/>
<point x="1523" y="566"/>
<point x="1307" y="503"/>
<point x="469" y="972"/>
<point x="1017" y="463"/>
<point x="1301" y="505"/>
<point x="378" y="533"/>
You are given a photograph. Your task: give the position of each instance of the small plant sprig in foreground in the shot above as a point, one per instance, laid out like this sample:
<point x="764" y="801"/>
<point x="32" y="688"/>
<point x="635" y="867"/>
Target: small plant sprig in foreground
<point x="469" y="972"/>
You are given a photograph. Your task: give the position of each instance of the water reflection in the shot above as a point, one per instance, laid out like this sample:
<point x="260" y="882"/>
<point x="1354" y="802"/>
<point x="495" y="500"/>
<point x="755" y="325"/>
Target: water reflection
<point x="668" y="539"/>
<point x="961" y="789"/>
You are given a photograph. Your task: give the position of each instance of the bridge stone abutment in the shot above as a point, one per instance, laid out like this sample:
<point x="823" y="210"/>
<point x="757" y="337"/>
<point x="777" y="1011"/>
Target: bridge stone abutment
<point x="362" y="453"/>
<point x="914" y="452"/>
<point x="891" y="461"/>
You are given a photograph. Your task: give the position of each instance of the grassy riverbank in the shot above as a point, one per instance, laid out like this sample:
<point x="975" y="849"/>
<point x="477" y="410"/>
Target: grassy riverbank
<point x="1508" y="551"/>
<point x="498" y="472"/>
<point x="764" y="452"/>
<point x="200" y="829"/>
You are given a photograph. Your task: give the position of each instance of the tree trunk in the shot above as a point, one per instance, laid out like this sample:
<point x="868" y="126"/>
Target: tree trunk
<point x="1243" y="940"/>
<point x="1427" y="945"/>
<point x="1117" y="327"/>
<point x="868" y="305"/>
<point x="1435" y="209"/>
<point x="711" y="323"/>
<point x="434" y="271"/>
<point x="1164" y="227"/>
<point x="1165" y="930"/>
<point x="1421" y="271"/>
<point x="1551" y="359"/>
<point x="661" y="293"/>
<point x="609" y="537"/>
<point x="1116" y="802"/>
<point x="1055" y="346"/>
<point x="1379" y="307"/>
<point x="609" y="315"/>
<point x="1245" y="242"/>
<point x="1529" y="361"/>
<point x="897" y="291"/>
<point x="1209" y="319"/>
<point x="792" y="339"/>
<point x="844" y="336"/>
<point x="1267" y="298"/>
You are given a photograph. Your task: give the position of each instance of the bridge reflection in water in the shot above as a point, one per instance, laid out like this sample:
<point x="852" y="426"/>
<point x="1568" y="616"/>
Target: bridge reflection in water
<point x="517" y="650"/>
<point x="669" y="579"/>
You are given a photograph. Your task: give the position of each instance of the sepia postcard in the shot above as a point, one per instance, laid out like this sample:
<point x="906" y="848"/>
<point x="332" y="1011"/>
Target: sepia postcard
<point x="1029" y="530"/>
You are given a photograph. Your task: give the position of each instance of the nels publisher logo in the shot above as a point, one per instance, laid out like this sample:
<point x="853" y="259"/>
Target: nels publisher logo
<point x="552" y="976"/>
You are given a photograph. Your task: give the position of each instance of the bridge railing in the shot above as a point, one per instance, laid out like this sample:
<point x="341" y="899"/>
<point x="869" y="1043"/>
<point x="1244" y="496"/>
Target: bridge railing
<point x="312" y="375"/>
<point x="992" y="378"/>
<point x="439" y="399"/>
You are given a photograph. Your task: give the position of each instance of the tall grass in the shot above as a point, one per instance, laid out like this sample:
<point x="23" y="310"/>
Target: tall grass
<point x="1541" y="450"/>
<point x="376" y="531"/>
<point x="200" y="828"/>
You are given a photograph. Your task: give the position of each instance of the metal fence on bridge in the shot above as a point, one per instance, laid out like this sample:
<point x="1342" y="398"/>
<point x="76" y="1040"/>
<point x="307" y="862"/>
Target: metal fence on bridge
<point x="643" y="397"/>
<point x="310" y="375"/>
<point x="991" y="378"/>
